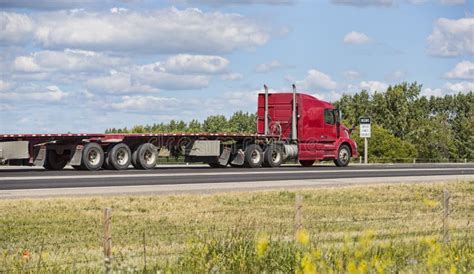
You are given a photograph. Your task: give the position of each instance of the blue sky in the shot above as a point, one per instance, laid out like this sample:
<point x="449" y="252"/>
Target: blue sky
<point x="84" y="65"/>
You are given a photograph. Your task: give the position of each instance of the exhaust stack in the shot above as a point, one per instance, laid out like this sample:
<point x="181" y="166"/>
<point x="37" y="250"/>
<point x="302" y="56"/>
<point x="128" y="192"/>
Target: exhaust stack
<point x="294" y="134"/>
<point x="266" y="110"/>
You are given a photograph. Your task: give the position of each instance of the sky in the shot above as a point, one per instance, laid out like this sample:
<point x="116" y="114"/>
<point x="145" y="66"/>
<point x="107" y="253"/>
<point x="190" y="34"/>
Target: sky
<point x="85" y="65"/>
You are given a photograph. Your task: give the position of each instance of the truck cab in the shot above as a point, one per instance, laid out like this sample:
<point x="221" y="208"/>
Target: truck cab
<point x="320" y="134"/>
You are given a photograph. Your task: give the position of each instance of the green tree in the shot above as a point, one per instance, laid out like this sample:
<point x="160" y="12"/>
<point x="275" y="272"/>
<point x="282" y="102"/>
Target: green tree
<point x="215" y="123"/>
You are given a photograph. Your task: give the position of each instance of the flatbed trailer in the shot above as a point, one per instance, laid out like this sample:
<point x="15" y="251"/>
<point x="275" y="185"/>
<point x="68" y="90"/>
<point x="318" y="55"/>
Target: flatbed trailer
<point x="290" y="126"/>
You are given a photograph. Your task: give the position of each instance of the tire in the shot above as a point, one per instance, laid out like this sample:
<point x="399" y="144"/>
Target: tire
<point x="272" y="157"/>
<point x="307" y="163"/>
<point x="119" y="157"/>
<point x="92" y="157"/>
<point x="54" y="161"/>
<point x="253" y="156"/>
<point x="145" y="156"/>
<point x="343" y="156"/>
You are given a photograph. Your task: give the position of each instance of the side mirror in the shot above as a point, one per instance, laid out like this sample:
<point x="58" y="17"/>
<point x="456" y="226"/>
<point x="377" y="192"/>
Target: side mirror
<point x="338" y="116"/>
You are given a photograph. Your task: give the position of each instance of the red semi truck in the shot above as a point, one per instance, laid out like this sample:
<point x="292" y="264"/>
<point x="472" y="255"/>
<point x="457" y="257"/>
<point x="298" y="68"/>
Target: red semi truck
<point x="290" y="126"/>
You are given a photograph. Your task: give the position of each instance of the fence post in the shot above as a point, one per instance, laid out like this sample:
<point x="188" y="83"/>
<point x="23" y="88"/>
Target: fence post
<point x="414" y="160"/>
<point x="298" y="206"/>
<point x="144" y="250"/>
<point x="360" y="159"/>
<point x="107" y="241"/>
<point x="445" y="216"/>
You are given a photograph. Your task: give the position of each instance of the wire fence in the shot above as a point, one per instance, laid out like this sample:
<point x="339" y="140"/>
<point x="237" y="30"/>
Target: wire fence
<point x="112" y="240"/>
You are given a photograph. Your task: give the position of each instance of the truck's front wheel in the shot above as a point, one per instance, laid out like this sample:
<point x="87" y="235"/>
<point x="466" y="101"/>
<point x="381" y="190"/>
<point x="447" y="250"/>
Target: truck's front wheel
<point x="343" y="156"/>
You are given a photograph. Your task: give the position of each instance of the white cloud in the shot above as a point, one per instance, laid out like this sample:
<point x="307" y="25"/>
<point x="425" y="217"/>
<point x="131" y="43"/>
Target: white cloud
<point x="396" y="76"/>
<point x="4" y="85"/>
<point x="373" y="86"/>
<point x="453" y="2"/>
<point x="146" y="103"/>
<point x="15" y="28"/>
<point x="34" y="93"/>
<point x="118" y="83"/>
<point x="315" y="80"/>
<point x="161" y="31"/>
<point x="352" y="74"/>
<point x="67" y="60"/>
<point x="232" y="76"/>
<point x="463" y="70"/>
<point x="192" y="64"/>
<point x="452" y="37"/>
<point x="266" y="67"/>
<point x="354" y="37"/>
<point x="155" y="75"/>
<point x="364" y="3"/>
<point x="449" y="89"/>
<point x="118" y="10"/>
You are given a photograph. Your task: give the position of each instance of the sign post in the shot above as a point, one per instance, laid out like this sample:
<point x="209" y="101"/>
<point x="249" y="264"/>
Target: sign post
<point x="365" y="132"/>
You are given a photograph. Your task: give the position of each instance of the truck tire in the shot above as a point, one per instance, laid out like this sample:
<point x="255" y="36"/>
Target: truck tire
<point x="145" y="156"/>
<point x="119" y="157"/>
<point x="343" y="156"/>
<point x="92" y="157"/>
<point x="54" y="161"/>
<point x="272" y="157"/>
<point x="253" y="156"/>
<point x="307" y="163"/>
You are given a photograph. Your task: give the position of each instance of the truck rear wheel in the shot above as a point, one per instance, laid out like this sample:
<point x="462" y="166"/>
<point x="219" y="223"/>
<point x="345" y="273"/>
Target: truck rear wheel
<point x="145" y="156"/>
<point x="92" y="157"/>
<point x="343" y="156"/>
<point x="307" y="163"/>
<point x="54" y="161"/>
<point x="253" y="156"/>
<point x="272" y="157"/>
<point x="119" y="157"/>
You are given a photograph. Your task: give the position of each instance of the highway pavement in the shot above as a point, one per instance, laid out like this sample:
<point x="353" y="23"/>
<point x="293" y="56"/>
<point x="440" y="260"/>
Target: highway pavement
<point x="12" y="178"/>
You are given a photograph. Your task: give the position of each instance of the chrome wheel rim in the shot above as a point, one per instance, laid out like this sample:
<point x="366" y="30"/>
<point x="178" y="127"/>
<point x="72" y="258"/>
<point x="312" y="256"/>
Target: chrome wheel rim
<point x="344" y="155"/>
<point x="150" y="157"/>
<point x="276" y="156"/>
<point x="255" y="156"/>
<point x="93" y="156"/>
<point x="122" y="156"/>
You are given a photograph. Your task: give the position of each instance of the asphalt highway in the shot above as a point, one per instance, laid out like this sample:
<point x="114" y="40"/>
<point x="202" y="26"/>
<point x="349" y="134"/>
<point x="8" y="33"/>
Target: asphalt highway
<point x="34" y="178"/>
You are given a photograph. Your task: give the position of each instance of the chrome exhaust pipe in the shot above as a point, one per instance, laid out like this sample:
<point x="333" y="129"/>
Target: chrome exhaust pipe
<point x="294" y="134"/>
<point x="266" y="110"/>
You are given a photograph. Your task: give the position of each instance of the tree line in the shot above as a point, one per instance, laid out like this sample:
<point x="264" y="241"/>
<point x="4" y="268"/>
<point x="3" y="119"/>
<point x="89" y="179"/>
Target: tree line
<point x="408" y="125"/>
<point x="239" y="122"/>
<point x="405" y="124"/>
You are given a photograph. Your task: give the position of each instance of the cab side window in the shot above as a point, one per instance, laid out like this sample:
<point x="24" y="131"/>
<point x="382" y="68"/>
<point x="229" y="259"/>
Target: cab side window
<point x="329" y="117"/>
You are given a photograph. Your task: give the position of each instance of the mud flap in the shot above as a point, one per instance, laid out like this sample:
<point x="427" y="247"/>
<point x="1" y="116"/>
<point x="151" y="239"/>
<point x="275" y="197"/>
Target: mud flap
<point x="77" y="156"/>
<point x="239" y="158"/>
<point x="40" y="158"/>
<point x="224" y="158"/>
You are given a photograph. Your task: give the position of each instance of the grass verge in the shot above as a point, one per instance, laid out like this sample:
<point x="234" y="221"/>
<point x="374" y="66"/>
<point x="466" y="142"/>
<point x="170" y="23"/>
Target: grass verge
<point x="355" y="229"/>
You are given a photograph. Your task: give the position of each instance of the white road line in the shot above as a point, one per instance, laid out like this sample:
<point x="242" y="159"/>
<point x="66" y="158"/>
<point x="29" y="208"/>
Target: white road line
<point x="148" y="175"/>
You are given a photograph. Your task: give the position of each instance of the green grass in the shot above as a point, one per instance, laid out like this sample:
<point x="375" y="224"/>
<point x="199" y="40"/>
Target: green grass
<point x="354" y="229"/>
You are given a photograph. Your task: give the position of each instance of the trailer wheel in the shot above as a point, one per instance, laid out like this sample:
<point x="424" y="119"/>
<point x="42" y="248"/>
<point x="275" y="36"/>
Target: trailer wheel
<point x="253" y="156"/>
<point x="343" y="156"/>
<point x="54" y="161"/>
<point x="145" y="156"/>
<point x="92" y="157"/>
<point x="307" y="163"/>
<point x="119" y="157"/>
<point x="272" y="157"/>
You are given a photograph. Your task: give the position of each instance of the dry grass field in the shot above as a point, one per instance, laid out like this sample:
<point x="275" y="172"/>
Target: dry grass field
<point x="362" y="229"/>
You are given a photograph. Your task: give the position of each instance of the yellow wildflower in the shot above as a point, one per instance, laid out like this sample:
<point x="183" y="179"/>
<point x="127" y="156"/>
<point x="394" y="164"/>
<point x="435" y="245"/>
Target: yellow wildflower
<point x="307" y="265"/>
<point x="302" y="236"/>
<point x="262" y="245"/>
<point x="430" y="203"/>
